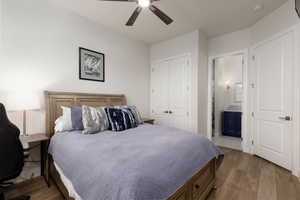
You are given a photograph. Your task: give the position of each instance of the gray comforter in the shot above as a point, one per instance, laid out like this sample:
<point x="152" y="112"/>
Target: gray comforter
<point x="145" y="163"/>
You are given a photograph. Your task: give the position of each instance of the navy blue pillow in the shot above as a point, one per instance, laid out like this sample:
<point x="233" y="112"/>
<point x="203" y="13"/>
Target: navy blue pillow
<point x="121" y="119"/>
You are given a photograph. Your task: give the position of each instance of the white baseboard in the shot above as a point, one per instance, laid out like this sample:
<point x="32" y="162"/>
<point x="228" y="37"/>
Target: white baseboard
<point x="246" y="149"/>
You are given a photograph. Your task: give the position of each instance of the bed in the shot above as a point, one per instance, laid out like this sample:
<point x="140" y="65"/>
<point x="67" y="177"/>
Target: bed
<point x="173" y="179"/>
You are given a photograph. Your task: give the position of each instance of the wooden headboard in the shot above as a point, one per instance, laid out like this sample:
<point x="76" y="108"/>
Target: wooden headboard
<point x="54" y="101"/>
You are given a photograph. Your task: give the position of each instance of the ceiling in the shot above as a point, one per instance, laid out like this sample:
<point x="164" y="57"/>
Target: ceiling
<point x="213" y="17"/>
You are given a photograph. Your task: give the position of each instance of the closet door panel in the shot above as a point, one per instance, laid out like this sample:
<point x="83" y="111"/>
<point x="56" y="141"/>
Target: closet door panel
<point x="160" y="92"/>
<point x="170" y="93"/>
<point x="178" y="93"/>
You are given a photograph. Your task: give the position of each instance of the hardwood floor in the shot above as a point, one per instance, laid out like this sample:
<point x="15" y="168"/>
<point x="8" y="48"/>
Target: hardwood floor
<point x="241" y="177"/>
<point x="246" y="177"/>
<point x="37" y="189"/>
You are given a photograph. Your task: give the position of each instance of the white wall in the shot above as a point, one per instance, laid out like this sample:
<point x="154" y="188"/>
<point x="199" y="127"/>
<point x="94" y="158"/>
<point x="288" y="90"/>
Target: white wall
<point x="279" y="20"/>
<point x="188" y="43"/>
<point x="230" y="42"/>
<point x="202" y="83"/>
<point x="298" y="63"/>
<point x="1" y="13"/>
<point x="40" y="52"/>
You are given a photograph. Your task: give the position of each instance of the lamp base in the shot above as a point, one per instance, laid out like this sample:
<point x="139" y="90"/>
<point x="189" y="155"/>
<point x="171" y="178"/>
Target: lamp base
<point x="25" y="135"/>
<point x="24" y="123"/>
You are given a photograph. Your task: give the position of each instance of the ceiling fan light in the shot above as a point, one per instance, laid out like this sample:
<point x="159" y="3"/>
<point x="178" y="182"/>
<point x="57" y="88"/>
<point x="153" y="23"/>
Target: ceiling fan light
<point x="144" y="3"/>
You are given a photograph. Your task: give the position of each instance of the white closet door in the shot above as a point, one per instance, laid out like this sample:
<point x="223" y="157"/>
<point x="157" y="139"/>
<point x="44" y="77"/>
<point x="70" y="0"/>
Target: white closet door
<point x="273" y="100"/>
<point x="169" y="93"/>
<point x="160" y="93"/>
<point x="178" y="93"/>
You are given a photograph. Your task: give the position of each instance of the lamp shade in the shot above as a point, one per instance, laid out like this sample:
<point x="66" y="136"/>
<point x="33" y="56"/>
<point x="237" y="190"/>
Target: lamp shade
<point x="17" y="101"/>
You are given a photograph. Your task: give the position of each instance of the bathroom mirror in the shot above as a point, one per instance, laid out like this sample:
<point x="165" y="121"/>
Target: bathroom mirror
<point x="238" y="92"/>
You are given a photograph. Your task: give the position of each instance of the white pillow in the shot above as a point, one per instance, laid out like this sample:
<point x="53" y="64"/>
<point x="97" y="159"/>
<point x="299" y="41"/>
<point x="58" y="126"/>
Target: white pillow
<point x="61" y="125"/>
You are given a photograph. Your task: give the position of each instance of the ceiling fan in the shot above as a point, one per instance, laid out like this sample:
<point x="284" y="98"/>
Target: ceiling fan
<point x="145" y="4"/>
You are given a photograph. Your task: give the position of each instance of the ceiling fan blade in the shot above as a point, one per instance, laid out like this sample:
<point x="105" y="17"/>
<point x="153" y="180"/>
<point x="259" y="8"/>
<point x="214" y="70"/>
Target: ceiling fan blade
<point x="127" y="0"/>
<point x="134" y="16"/>
<point x="165" y="18"/>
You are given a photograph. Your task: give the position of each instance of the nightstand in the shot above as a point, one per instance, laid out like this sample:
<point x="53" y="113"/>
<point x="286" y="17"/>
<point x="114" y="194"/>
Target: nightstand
<point x="43" y="139"/>
<point x="148" y="121"/>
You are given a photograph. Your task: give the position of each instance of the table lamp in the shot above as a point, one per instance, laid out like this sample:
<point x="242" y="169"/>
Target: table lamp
<point x="22" y="101"/>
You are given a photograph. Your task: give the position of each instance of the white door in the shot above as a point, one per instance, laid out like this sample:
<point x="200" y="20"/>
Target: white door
<point x="179" y="93"/>
<point x="160" y="93"/>
<point x="170" y="93"/>
<point x="273" y="100"/>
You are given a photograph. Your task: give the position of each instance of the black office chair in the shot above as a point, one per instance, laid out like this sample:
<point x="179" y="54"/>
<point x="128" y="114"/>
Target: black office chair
<point x="11" y="153"/>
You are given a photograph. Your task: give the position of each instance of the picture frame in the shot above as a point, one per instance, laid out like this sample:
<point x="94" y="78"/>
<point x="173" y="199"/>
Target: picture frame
<point x="91" y="65"/>
<point x="297" y="7"/>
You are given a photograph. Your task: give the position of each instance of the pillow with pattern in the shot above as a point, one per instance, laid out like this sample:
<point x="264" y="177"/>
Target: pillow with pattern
<point x="121" y="119"/>
<point x="134" y="111"/>
<point x="94" y="119"/>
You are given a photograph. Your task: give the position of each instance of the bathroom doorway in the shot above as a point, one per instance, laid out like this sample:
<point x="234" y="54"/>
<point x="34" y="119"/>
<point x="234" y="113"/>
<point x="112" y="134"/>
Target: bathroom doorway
<point x="227" y="100"/>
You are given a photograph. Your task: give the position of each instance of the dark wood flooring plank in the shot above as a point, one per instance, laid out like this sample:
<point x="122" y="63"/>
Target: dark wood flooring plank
<point x="267" y="182"/>
<point x="231" y="188"/>
<point x="250" y="178"/>
<point x="296" y="183"/>
<point x="286" y="189"/>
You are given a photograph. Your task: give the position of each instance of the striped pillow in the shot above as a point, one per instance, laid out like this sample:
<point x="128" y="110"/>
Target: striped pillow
<point x="121" y="119"/>
<point x="134" y="111"/>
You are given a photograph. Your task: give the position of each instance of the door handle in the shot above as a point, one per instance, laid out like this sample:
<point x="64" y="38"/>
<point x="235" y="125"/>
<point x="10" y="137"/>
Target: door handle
<point x="286" y="118"/>
<point x="166" y="112"/>
<point x="170" y="112"/>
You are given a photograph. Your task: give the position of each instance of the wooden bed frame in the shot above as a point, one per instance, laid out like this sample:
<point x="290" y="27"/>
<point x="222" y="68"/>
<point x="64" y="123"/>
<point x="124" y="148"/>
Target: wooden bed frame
<point x="197" y="188"/>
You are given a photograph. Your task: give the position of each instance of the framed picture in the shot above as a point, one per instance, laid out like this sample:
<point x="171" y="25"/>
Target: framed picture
<point x="91" y="65"/>
<point x="297" y="5"/>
